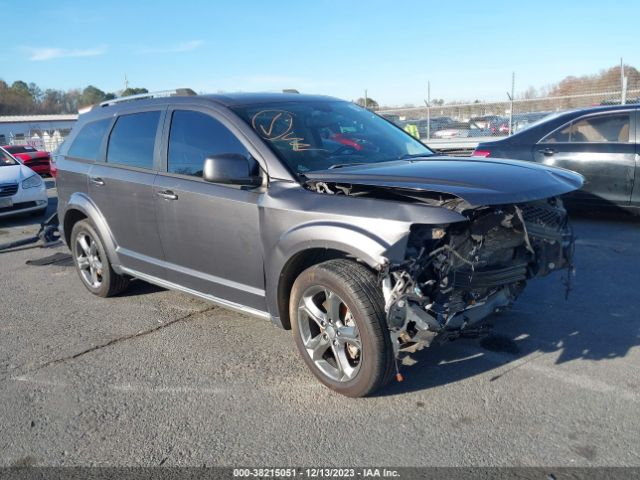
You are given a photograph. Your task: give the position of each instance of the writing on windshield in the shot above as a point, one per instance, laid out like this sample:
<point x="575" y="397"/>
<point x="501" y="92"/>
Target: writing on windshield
<point x="315" y="135"/>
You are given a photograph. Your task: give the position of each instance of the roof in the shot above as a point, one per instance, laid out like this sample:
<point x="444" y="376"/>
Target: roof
<point x="37" y="118"/>
<point x="236" y="99"/>
<point x="226" y="100"/>
<point x="601" y="108"/>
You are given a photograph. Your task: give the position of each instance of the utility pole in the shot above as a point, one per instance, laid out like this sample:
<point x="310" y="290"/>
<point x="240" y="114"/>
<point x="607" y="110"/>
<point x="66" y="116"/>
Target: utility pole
<point x="428" y="102"/>
<point x="366" y="99"/>
<point x="126" y="82"/>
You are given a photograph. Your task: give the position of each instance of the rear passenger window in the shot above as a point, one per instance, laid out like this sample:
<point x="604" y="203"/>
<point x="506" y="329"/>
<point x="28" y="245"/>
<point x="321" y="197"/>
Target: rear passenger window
<point x="598" y="129"/>
<point x="88" y="142"/>
<point x="559" y="136"/>
<point x="133" y="139"/>
<point x="602" y="128"/>
<point x="194" y="136"/>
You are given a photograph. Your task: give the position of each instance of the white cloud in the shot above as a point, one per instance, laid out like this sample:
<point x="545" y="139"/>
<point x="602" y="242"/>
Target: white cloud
<point x="176" y="48"/>
<point x="49" y="53"/>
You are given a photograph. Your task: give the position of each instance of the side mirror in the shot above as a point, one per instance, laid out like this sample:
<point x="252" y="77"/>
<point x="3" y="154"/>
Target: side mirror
<point x="232" y="169"/>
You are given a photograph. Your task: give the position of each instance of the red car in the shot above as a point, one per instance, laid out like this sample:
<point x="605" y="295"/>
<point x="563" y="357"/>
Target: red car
<point x="37" y="160"/>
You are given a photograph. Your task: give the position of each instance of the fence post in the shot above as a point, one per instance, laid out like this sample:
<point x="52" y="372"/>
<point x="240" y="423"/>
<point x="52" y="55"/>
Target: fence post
<point x="513" y="84"/>
<point x="623" y="84"/>
<point x="429" y="110"/>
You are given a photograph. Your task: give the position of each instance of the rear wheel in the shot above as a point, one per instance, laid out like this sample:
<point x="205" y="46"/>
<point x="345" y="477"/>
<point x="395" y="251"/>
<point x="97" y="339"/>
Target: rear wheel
<point x="92" y="263"/>
<point x="338" y="321"/>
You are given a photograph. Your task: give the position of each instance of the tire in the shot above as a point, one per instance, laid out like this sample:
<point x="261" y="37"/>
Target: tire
<point x="92" y="263"/>
<point x="343" y="294"/>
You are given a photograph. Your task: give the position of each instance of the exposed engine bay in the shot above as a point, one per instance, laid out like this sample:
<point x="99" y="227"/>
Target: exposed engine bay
<point x="454" y="276"/>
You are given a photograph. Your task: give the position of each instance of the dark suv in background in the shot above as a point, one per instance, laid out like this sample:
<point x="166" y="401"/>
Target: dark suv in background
<point x="311" y="212"/>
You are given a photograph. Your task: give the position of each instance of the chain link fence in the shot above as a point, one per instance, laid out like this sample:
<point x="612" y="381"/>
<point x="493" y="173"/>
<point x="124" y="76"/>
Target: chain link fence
<point x="464" y="121"/>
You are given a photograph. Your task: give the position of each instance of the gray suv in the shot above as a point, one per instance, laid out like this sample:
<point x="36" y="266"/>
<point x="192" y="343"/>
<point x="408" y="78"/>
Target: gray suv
<point x="311" y="212"/>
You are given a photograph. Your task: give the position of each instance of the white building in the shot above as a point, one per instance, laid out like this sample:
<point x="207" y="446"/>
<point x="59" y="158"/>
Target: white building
<point x="45" y="132"/>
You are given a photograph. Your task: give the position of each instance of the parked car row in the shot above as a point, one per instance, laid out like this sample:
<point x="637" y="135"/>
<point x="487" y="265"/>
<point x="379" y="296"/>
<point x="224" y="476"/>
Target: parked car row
<point x="426" y="127"/>
<point x="467" y="129"/>
<point x="481" y="126"/>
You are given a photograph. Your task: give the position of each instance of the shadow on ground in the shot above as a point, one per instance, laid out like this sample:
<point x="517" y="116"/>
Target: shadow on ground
<point x="63" y="259"/>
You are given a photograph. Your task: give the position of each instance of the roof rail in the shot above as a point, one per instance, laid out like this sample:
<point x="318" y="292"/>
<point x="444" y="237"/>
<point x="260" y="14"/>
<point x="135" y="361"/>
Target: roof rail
<point x="178" y="92"/>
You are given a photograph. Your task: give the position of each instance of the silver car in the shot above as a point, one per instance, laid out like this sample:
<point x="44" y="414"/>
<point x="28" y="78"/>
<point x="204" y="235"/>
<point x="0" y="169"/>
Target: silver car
<point x="310" y="212"/>
<point x="21" y="189"/>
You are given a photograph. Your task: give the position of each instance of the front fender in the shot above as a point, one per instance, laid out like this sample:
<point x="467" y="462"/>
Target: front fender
<point x="349" y="239"/>
<point x="81" y="202"/>
<point x="375" y="231"/>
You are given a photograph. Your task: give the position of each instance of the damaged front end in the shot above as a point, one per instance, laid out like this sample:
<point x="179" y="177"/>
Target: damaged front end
<point x="454" y="276"/>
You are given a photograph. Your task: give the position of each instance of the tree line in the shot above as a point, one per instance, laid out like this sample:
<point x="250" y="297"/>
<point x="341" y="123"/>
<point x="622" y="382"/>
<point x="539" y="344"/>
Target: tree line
<point x="21" y="98"/>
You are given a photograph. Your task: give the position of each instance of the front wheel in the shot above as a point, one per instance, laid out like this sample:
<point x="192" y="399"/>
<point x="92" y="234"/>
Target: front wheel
<point x="338" y="321"/>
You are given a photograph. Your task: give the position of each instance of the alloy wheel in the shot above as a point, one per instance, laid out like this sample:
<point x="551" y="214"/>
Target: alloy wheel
<point x="329" y="333"/>
<point x="88" y="260"/>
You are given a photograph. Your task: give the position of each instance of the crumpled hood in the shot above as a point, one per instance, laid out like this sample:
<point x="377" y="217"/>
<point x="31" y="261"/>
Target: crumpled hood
<point x="477" y="181"/>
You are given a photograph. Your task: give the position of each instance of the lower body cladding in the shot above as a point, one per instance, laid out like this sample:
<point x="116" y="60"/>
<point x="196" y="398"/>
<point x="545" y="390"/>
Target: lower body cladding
<point x="454" y="276"/>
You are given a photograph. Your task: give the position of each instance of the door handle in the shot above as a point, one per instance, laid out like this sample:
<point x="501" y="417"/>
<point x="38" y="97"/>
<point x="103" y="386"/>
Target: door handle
<point x="167" y="195"/>
<point x="96" y="180"/>
<point x="547" y="151"/>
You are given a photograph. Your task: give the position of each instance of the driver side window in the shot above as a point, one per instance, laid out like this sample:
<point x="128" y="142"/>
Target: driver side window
<point x="195" y="136"/>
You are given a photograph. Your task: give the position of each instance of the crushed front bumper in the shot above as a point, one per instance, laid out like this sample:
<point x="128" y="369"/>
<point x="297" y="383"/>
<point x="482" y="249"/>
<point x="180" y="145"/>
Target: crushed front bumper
<point x="454" y="277"/>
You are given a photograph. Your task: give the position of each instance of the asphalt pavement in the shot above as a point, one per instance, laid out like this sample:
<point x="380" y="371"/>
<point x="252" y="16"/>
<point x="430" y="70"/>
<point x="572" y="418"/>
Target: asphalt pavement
<point x="155" y="377"/>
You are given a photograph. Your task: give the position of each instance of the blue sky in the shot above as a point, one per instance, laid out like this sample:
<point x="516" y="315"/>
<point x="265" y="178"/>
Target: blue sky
<point x="466" y="50"/>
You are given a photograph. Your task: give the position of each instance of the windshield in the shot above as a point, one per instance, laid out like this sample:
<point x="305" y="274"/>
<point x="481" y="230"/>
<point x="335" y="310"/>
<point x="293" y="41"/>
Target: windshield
<point x="6" y="159"/>
<point x="309" y="136"/>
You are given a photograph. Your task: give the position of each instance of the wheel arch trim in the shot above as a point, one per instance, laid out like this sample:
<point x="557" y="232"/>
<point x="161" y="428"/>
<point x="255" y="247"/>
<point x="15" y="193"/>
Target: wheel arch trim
<point x="82" y="203"/>
<point x="343" y="239"/>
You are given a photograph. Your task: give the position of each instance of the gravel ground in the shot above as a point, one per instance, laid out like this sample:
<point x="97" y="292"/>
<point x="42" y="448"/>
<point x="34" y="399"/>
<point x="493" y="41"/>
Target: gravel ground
<point x="158" y="377"/>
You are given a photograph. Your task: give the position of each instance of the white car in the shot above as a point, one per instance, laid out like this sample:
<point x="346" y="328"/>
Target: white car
<point x="21" y="189"/>
<point x="451" y="133"/>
